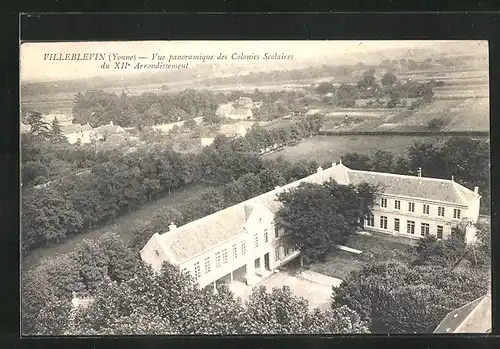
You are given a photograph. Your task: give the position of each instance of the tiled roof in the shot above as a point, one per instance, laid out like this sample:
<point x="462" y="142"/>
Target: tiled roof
<point x="241" y="111"/>
<point x="205" y="233"/>
<point x="417" y="187"/>
<point x="71" y="128"/>
<point x="108" y="129"/>
<point x="474" y="317"/>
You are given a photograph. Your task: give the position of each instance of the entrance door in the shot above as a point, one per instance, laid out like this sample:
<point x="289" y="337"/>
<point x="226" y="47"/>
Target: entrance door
<point x="266" y="261"/>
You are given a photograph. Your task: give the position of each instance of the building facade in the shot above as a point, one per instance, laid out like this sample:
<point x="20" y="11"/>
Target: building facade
<point x="243" y="242"/>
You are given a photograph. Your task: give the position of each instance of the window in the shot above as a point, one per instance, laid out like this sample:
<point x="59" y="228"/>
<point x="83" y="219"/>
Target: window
<point x="256" y="240"/>
<point x="424" y="229"/>
<point x="396" y="224"/>
<point x="410" y="227"/>
<point x="260" y="220"/>
<point x="266" y="237"/>
<point x="287" y="251"/>
<point x="235" y="252"/>
<point x="425" y="209"/>
<point x="441" y="211"/>
<point x="157" y="253"/>
<point x="439" y="231"/>
<point x="277" y="254"/>
<point x="217" y="259"/>
<point x="370" y="221"/>
<point x="456" y="213"/>
<point x="207" y="265"/>
<point x="397" y="205"/>
<point x="411" y="207"/>
<point x="383" y="222"/>
<point x="276" y="232"/>
<point x="383" y="202"/>
<point x="224" y="256"/>
<point x="243" y="247"/>
<point x="197" y="270"/>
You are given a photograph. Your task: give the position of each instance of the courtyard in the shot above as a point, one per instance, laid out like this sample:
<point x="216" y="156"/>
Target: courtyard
<point x="374" y="247"/>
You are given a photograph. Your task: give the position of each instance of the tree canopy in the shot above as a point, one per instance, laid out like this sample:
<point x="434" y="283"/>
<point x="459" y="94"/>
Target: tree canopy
<point x="316" y="217"/>
<point x="396" y="298"/>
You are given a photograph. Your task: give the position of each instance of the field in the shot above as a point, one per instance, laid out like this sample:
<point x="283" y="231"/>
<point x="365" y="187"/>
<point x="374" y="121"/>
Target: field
<point x="471" y="115"/>
<point x="120" y="226"/>
<point x="332" y="148"/>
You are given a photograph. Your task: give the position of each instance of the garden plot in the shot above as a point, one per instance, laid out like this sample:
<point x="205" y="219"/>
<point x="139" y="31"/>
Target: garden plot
<point x="420" y="119"/>
<point x="473" y="115"/>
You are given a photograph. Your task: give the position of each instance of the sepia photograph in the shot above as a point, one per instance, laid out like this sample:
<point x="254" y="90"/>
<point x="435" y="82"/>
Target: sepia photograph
<point x="255" y="187"/>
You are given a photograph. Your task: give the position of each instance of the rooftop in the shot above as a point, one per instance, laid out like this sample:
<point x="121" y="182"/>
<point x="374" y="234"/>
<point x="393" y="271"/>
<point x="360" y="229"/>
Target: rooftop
<point x="474" y="317"/>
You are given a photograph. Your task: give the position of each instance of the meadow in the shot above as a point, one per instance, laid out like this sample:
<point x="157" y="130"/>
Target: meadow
<point x="331" y="148"/>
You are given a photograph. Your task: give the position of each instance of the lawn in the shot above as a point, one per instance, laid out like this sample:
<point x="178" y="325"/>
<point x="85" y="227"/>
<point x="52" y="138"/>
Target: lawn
<point x="331" y="148"/>
<point x="120" y="225"/>
<point x="340" y="263"/>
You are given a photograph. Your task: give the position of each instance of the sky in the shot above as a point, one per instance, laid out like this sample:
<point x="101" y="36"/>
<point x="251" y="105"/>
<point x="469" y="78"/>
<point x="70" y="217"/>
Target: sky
<point x="34" y="68"/>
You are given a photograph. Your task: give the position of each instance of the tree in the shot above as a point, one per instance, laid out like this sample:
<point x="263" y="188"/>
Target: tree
<point x="324" y="88"/>
<point x="207" y="202"/>
<point x="56" y="132"/>
<point x="211" y="117"/>
<point x="172" y="303"/>
<point x="367" y="80"/>
<point x="445" y="253"/>
<point x="346" y="95"/>
<point x="270" y="178"/>
<point x="382" y="161"/>
<point x="396" y="298"/>
<point x="480" y="250"/>
<point x="190" y="124"/>
<point x="436" y="123"/>
<point x="388" y="80"/>
<point x="318" y="217"/>
<point x="48" y="285"/>
<point x="47" y="217"/>
<point x="39" y="127"/>
<point x="246" y="187"/>
<point x="282" y="312"/>
<point x="357" y="161"/>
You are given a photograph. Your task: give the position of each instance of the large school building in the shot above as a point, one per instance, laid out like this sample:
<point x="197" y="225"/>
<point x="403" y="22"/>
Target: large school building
<point x="242" y="242"/>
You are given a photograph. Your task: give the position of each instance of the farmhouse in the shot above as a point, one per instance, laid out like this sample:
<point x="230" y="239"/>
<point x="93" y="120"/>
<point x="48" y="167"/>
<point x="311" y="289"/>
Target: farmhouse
<point x="241" y="110"/>
<point x="242" y="243"/>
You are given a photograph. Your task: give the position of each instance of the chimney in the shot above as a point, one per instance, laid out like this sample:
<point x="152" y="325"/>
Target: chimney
<point x="111" y="123"/>
<point x="172" y="226"/>
<point x="452" y="178"/>
<point x="319" y="169"/>
<point x="340" y="162"/>
<point x="334" y="164"/>
<point x="420" y="172"/>
<point x="476" y="190"/>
